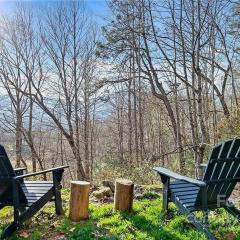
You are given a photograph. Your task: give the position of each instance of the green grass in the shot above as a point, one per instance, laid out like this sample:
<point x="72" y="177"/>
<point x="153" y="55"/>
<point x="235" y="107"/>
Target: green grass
<point x="144" y="223"/>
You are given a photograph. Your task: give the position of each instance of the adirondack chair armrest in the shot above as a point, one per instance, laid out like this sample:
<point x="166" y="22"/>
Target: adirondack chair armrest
<point x="168" y="173"/>
<point x="41" y="172"/>
<point x="19" y="171"/>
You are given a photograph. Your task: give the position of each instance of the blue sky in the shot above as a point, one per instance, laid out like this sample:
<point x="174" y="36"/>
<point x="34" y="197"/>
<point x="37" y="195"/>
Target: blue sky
<point x="97" y="7"/>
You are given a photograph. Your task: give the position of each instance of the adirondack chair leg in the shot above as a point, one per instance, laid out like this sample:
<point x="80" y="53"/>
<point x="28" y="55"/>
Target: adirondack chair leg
<point x="165" y="181"/>
<point x="9" y="230"/>
<point x="194" y="220"/>
<point x="57" y="176"/>
<point x="202" y="227"/>
<point x="205" y="217"/>
<point x="203" y="192"/>
<point x="21" y="216"/>
<point x="17" y="210"/>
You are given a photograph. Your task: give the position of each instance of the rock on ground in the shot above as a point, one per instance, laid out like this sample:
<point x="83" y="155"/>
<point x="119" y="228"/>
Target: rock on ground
<point x="102" y="192"/>
<point x="110" y="184"/>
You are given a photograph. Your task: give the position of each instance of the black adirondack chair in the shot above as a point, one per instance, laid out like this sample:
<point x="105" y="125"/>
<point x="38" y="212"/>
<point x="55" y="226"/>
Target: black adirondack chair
<point x="26" y="197"/>
<point x="213" y="191"/>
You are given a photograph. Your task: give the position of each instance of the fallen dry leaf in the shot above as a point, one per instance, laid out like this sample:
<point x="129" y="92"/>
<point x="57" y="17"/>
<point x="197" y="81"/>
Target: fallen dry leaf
<point x="23" y="234"/>
<point x="72" y="229"/>
<point x="230" y="236"/>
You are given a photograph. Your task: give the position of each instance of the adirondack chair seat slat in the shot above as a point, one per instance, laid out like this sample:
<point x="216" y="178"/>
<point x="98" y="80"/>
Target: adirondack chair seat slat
<point x="26" y="197"/>
<point x="187" y="193"/>
<point x="182" y="194"/>
<point x="177" y="184"/>
<point x="34" y="200"/>
<point x="188" y="200"/>
<point x="33" y="194"/>
<point x="191" y="196"/>
<point x="190" y="188"/>
<point x="38" y="184"/>
<point x="40" y="188"/>
<point x="31" y="186"/>
<point x="35" y="190"/>
<point x="189" y="205"/>
<point x="221" y="175"/>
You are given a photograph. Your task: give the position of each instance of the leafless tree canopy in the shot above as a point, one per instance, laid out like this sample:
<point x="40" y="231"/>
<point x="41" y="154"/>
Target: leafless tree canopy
<point x="158" y="84"/>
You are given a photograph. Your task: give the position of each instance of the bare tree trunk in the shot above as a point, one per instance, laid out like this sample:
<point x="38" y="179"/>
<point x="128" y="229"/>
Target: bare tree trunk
<point x="178" y="123"/>
<point x="140" y="119"/>
<point x="120" y="129"/>
<point x="135" y="118"/>
<point x="204" y="133"/>
<point x="33" y="153"/>
<point x="92" y="142"/>
<point x="18" y="135"/>
<point x="86" y="132"/>
<point x="130" y="121"/>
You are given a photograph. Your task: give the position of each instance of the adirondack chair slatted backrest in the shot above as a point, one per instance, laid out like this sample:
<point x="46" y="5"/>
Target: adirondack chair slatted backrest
<point x="6" y="173"/>
<point x="223" y="164"/>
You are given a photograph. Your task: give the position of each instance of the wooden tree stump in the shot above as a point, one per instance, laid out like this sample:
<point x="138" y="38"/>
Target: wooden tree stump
<point x="123" y="198"/>
<point x="79" y="201"/>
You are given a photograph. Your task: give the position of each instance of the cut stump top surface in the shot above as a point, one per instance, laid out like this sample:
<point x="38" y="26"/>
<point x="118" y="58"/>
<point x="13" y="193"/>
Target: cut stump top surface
<point x="124" y="181"/>
<point x="80" y="183"/>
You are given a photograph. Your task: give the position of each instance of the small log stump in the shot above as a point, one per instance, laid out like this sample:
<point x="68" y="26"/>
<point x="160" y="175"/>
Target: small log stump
<point x="123" y="198"/>
<point x="79" y="201"/>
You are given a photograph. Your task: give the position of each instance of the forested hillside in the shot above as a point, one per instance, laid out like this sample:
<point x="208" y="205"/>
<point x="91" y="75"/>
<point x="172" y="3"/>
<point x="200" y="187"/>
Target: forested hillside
<point x="145" y="83"/>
